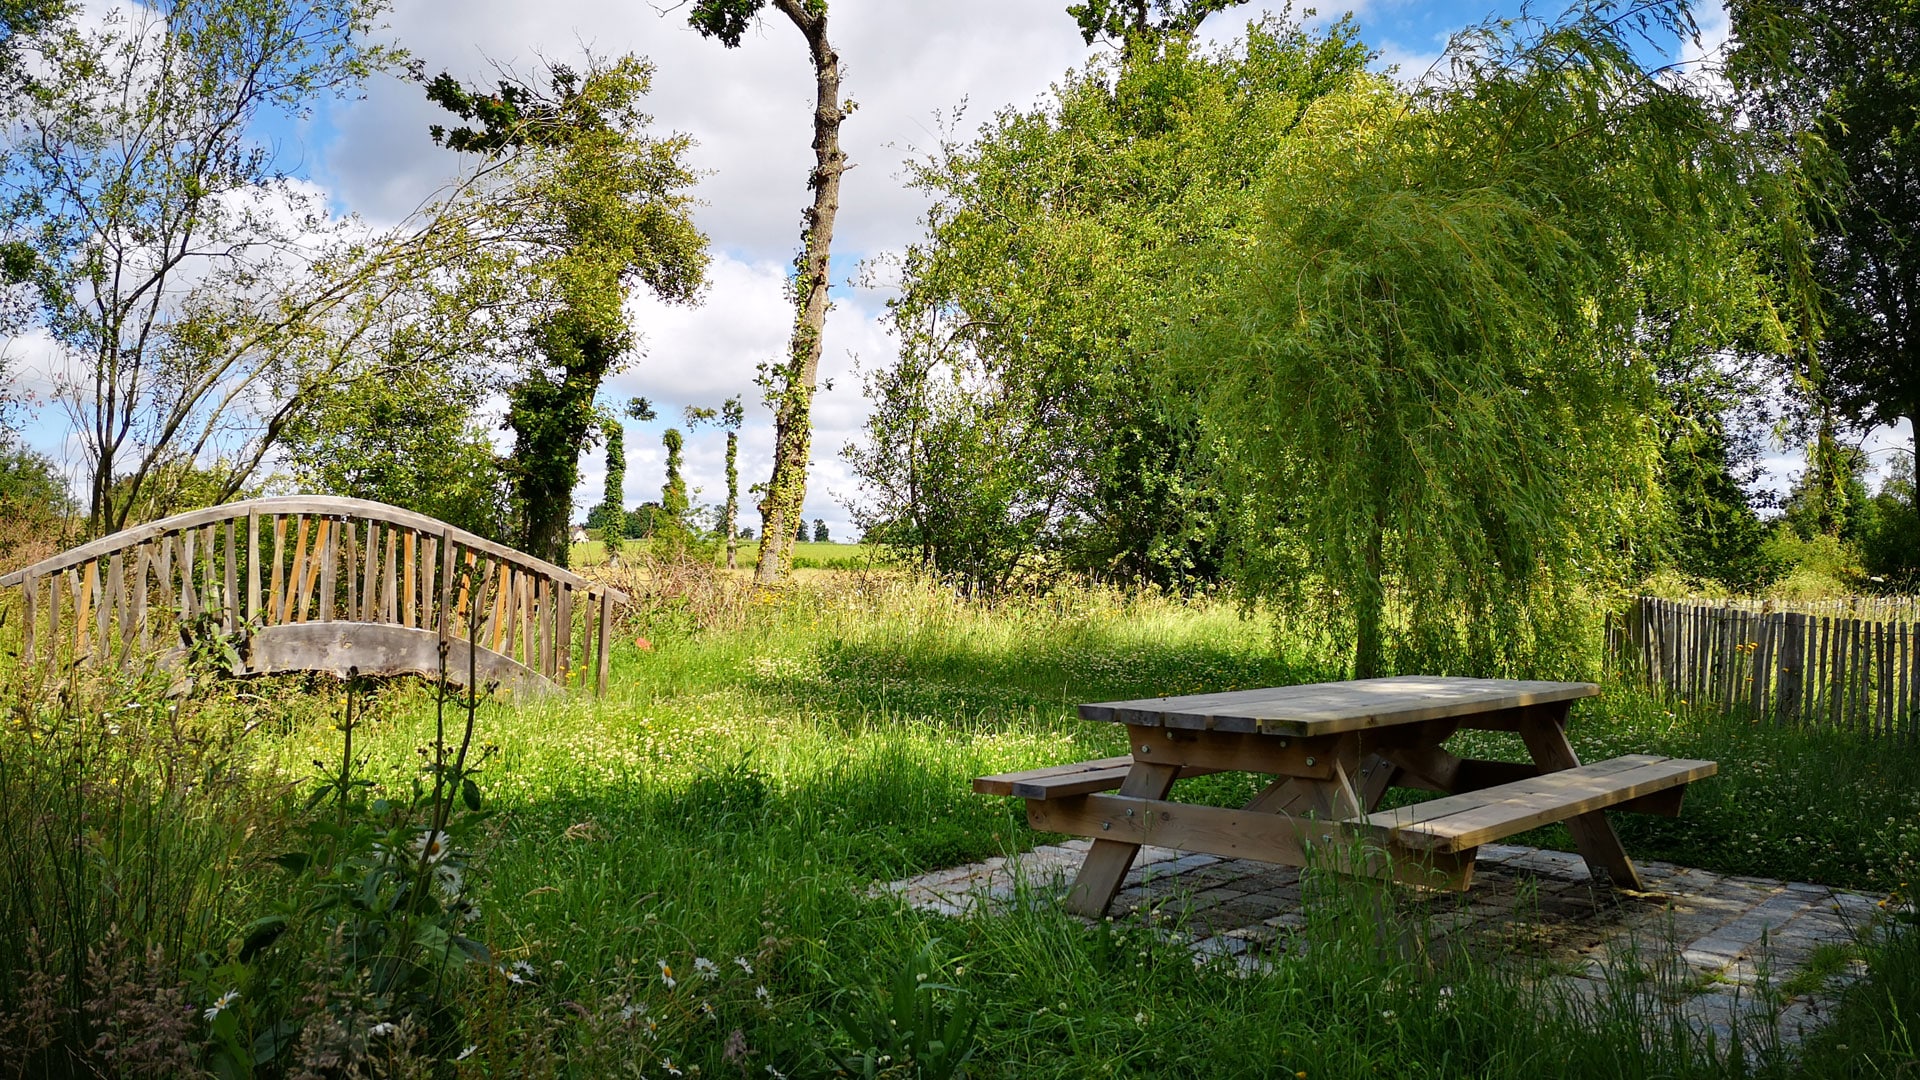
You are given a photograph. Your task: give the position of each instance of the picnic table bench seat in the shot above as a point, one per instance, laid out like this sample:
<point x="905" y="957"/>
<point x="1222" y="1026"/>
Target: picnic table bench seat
<point x="1631" y="782"/>
<point x="1065" y="781"/>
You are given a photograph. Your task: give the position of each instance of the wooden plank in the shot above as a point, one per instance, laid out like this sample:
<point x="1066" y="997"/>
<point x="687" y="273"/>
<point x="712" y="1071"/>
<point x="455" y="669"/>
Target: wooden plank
<point x="374" y="649"/>
<point x="428" y="586"/>
<point x="296" y="598"/>
<point x="389" y="593"/>
<point x="1108" y="859"/>
<point x="1124" y="822"/>
<point x="55" y="585"/>
<point x="370" y="577"/>
<point x="89" y="581"/>
<point x="350" y="569"/>
<point x="230" y="581"/>
<point x="117" y="588"/>
<point x="189" y="597"/>
<point x="31" y="586"/>
<point x="253" y="567"/>
<point x="1005" y="783"/>
<point x="540" y="650"/>
<point x="512" y="617"/>
<point x="1220" y="750"/>
<point x="276" y="597"/>
<point x="606" y="631"/>
<point x="1509" y="809"/>
<point x="563" y="635"/>
<point x="449" y="563"/>
<point x="1793" y="658"/>
<point x="589" y="622"/>
<point x="329" y="550"/>
<point x="142" y="565"/>
<point x="1331" y="708"/>
<point x="410" y="581"/>
<point x="209" y="569"/>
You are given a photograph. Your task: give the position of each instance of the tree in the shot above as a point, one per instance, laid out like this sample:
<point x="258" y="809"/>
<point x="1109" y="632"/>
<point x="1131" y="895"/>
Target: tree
<point x="610" y="514"/>
<point x="596" y="204"/>
<point x="820" y="535"/>
<point x="1890" y="539"/>
<point x="1838" y="74"/>
<point x="730" y="416"/>
<point x="1021" y="430"/>
<point x="1427" y="375"/>
<point x="790" y="383"/>
<point x="169" y="261"/>
<point x="670" y="527"/>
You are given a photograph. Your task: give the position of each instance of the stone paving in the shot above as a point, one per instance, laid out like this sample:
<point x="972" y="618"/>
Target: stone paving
<point x="1700" y="943"/>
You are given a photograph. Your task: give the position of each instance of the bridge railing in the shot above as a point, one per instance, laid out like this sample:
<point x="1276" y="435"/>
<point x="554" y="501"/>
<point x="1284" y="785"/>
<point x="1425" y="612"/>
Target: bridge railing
<point x="321" y="583"/>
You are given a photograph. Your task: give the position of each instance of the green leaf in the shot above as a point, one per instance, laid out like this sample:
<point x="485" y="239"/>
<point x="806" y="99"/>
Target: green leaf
<point x="470" y="793"/>
<point x="293" y="861"/>
<point x="262" y="933"/>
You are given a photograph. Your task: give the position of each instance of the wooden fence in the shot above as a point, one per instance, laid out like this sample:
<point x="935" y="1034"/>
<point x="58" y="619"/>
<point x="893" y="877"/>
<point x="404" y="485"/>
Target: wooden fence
<point x="310" y="583"/>
<point x="1834" y="666"/>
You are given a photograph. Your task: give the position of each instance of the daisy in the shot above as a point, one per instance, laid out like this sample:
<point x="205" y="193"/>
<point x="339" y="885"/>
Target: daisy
<point x="221" y="1003"/>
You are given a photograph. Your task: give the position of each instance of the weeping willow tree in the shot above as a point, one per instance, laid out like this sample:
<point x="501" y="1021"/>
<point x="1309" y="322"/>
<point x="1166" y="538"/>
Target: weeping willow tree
<point x="1431" y="370"/>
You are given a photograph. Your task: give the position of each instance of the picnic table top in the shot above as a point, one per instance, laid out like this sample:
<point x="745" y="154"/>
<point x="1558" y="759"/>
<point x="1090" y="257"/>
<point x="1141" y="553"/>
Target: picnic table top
<point x="1330" y="708"/>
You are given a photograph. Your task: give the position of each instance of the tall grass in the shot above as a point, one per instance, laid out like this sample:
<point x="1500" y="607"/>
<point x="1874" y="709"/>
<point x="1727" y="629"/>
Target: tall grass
<point x="720" y="818"/>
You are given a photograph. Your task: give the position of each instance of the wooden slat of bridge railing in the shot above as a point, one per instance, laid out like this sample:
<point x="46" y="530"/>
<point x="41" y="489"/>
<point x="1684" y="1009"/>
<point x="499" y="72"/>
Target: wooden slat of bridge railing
<point x="309" y="559"/>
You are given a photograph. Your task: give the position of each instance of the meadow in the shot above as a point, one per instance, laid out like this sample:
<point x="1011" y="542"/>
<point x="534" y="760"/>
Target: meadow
<point x="677" y="880"/>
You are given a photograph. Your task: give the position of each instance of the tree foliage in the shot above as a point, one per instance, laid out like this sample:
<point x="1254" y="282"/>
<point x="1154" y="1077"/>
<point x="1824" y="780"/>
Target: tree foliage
<point x="1019" y="431"/>
<point x="592" y="204"/>
<point x="165" y="254"/>
<point x="407" y="436"/>
<point x="1840" y="75"/>
<point x="1428" y="374"/>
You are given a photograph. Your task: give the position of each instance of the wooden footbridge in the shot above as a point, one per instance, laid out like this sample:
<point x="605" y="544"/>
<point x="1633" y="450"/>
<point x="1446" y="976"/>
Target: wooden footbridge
<point x="312" y="583"/>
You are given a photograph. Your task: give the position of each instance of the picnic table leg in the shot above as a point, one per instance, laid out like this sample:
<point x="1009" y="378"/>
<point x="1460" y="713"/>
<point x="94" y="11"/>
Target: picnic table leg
<point x="1544" y="730"/>
<point x="1109" y="860"/>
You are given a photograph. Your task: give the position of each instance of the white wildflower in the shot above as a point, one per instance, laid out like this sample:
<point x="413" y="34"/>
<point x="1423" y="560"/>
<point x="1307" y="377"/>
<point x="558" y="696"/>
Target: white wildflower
<point x="222" y="1003"/>
<point x="381" y="1028"/>
<point x="468" y="1052"/>
<point x="432" y="846"/>
<point x="706" y="968"/>
<point x="744" y="966"/>
<point x="666" y="975"/>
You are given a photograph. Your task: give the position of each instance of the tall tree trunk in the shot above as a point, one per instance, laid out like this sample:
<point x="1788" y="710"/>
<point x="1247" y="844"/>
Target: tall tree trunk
<point x="794" y="380"/>
<point x="1369" y="608"/>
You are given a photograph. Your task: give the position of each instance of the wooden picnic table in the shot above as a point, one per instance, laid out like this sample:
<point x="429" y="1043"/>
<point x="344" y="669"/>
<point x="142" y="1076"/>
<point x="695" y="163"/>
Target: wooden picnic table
<point x="1333" y="750"/>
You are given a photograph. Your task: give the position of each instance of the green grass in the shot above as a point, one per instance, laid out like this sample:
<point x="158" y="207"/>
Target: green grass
<point x="741" y="789"/>
<point x="807" y="554"/>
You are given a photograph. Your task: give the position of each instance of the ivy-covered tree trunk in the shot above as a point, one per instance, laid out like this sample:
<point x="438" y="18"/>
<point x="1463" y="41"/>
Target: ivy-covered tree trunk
<point x="733" y="500"/>
<point x="551" y="418"/>
<point x="793" y="381"/>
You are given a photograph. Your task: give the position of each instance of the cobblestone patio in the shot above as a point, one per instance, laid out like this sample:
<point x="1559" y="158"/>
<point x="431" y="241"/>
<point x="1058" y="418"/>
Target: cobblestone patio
<point x="1698" y="942"/>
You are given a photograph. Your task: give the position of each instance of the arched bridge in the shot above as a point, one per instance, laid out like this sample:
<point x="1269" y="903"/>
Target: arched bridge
<point x="313" y="583"/>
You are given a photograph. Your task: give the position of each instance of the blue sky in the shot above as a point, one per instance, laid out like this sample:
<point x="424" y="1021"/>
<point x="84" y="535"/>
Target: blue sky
<point x="910" y="63"/>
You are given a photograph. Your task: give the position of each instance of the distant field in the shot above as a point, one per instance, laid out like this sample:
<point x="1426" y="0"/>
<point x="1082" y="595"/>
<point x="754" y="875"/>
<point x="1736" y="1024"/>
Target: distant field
<point x="806" y="555"/>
